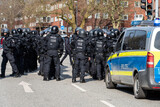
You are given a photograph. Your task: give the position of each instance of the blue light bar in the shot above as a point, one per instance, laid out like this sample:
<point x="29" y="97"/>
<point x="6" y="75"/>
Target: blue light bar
<point x="157" y="22"/>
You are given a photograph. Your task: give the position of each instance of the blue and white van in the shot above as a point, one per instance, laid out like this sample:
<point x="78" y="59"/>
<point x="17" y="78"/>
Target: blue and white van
<point x="136" y="61"/>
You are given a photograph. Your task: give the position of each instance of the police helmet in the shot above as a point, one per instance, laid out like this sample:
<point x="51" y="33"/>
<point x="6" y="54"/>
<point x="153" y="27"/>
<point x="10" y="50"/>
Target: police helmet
<point x="24" y="30"/>
<point x="54" y="29"/>
<point x="117" y="32"/>
<point x="34" y="32"/>
<point x="87" y="33"/>
<point x="14" y="31"/>
<point x="19" y="30"/>
<point x="100" y="33"/>
<point x="28" y="30"/>
<point x="6" y="31"/>
<point x="112" y="35"/>
<point x="112" y="30"/>
<point x="95" y="32"/>
<point x="77" y="29"/>
<point x="82" y="33"/>
<point x="91" y="33"/>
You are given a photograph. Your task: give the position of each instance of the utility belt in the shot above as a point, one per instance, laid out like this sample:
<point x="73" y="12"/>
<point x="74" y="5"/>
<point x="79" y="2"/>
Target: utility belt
<point x="80" y="52"/>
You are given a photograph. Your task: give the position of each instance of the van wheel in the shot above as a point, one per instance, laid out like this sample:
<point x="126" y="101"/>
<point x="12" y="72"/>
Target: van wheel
<point x="108" y="80"/>
<point x="139" y="93"/>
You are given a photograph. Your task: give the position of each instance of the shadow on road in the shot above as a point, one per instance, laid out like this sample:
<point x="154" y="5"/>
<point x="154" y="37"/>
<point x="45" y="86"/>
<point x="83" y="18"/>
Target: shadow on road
<point x="64" y="68"/>
<point x="152" y="95"/>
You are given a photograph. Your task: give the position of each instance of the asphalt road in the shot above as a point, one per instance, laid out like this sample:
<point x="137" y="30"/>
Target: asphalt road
<point x="31" y="91"/>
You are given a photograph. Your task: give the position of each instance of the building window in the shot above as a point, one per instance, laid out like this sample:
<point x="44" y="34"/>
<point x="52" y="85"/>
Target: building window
<point x="56" y="6"/>
<point x="105" y="15"/>
<point x="97" y="2"/>
<point x="137" y="4"/>
<point x="97" y="16"/>
<point x="48" y="7"/>
<point x="89" y="28"/>
<point x="4" y="19"/>
<point x="105" y="2"/>
<point x="52" y="19"/>
<point x="60" y="5"/>
<point x="64" y="5"/>
<point x="60" y="18"/>
<point x="56" y="19"/>
<point x="97" y="27"/>
<point x="3" y="26"/>
<point x="41" y="19"/>
<point x="124" y="3"/>
<point x="44" y="19"/>
<point x="139" y="17"/>
<point x="90" y="17"/>
<point x="88" y="1"/>
<point x="70" y="16"/>
<point x="48" y="19"/>
<point x="125" y="17"/>
<point x="52" y="8"/>
<point x="69" y="29"/>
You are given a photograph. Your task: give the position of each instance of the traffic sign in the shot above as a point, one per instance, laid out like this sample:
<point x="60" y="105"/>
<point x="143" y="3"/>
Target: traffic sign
<point x="62" y="27"/>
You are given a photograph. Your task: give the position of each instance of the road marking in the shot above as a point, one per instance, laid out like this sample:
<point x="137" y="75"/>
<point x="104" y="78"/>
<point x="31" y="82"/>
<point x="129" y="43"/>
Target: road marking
<point x="26" y="87"/>
<point x="83" y="90"/>
<point x="106" y="103"/>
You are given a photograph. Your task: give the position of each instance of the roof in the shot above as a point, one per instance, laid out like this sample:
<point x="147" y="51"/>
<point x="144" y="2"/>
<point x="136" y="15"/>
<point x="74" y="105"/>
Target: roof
<point x="150" y="28"/>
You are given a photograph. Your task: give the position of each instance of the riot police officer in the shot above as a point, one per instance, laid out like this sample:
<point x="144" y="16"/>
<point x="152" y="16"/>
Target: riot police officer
<point x="5" y="33"/>
<point x="16" y="51"/>
<point x="54" y="45"/>
<point x="80" y="46"/>
<point x="9" y="46"/>
<point x="94" y="35"/>
<point x="100" y="50"/>
<point x="75" y="35"/>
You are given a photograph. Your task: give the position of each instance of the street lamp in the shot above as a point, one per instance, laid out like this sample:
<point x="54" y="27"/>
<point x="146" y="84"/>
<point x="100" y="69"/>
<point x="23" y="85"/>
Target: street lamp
<point x="76" y="12"/>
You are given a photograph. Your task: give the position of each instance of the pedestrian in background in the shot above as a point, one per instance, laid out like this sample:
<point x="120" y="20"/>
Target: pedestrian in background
<point x="67" y="49"/>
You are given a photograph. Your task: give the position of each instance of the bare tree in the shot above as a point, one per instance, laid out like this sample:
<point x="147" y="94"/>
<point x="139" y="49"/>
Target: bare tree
<point x="115" y="10"/>
<point x="70" y="8"/>
<point x="11" y="9"/>
<point x="35" y="10"/>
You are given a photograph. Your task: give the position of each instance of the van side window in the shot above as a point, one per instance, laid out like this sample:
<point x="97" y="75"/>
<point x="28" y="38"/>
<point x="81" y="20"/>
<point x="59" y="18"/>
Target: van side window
<point x="128" y="42"/>
<point x="139" y="40"/>
<point x="157" y="41"/>
<point x="135" y="40"/>
<point x="119" y="42"/>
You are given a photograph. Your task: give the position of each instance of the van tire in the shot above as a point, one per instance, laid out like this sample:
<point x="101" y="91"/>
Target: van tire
<point x="139" y="93"/>
<point x="108" y="80"/>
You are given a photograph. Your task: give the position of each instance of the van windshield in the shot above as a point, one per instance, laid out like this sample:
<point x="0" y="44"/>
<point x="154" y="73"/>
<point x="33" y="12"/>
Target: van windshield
<point x="157" y="41"/>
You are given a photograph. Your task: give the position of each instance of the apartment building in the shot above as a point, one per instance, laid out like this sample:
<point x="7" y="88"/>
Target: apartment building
<point x="133" y="11"/>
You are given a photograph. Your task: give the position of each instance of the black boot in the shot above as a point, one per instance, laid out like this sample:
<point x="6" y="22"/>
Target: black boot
<point x="82" y="80"/>
<point x="39" y="73"/>
<point x="73" y="80"/>
<point x="45" y="79"/>
<point x="2" y="76"/>
<point x="12" y="74"/>
<point x="58" y="79"/>
<point x="99" y="78"/>
<point x="16" y="75"/>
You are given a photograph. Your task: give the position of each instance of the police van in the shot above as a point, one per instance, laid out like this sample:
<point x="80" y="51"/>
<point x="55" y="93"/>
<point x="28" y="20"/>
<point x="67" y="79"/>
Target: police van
<point x="136" y="61"/>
